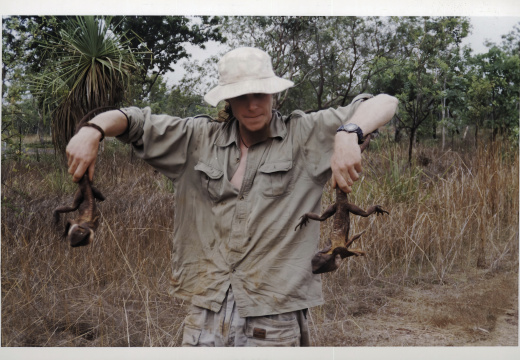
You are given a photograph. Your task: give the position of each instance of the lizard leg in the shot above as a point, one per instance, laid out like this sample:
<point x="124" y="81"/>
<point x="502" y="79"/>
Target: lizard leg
<point x="304" y="219"/>
<point x="355" y="237"/>
<point x="358" y="211"/>
<point x="78" y="199"/>
<point x="97" y="194"/>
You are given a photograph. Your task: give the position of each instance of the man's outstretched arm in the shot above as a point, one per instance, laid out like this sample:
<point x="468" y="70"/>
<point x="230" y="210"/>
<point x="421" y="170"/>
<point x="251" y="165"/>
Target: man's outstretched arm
<point x="346" y="159"/>
<point x="83" y="147"/>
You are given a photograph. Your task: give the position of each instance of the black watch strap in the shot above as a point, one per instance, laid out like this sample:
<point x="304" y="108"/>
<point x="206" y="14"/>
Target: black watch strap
<point x="352" y="128"/>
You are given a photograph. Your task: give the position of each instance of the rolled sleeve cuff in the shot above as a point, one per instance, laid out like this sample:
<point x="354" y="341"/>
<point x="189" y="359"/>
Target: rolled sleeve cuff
<point x="134" y="131"/>
<point x="362" y="97"/>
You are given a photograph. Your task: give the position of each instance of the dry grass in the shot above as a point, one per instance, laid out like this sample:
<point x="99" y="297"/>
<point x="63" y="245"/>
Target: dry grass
<point x="453" y="226"/>
<point x="440" y="270"/>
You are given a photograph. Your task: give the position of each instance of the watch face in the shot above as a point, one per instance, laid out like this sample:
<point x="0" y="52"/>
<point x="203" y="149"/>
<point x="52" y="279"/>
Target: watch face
<point x="351" y="127"/>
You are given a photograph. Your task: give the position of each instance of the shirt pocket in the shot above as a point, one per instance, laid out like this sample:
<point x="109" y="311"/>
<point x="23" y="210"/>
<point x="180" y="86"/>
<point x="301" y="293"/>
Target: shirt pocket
<point x="211" y="180"/>
<point x="275" y="178"/>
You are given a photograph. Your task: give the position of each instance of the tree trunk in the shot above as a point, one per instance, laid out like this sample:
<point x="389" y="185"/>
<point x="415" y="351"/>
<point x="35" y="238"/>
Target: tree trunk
<point x="443" y="137"/>
<point x="476" y="135"/>
<point x="397" y="130"/>
<point x="443" y="114"/>
<point x="411" y="144"/>
<point x="41" y="127"/>
<point x="465" y="133"/>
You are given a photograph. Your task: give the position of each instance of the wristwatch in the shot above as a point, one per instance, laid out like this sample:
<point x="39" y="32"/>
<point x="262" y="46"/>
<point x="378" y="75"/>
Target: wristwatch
<point x="352" y="128"/>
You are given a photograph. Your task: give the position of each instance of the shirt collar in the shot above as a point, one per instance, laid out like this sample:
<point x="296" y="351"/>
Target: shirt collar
<point x="229" y="132"/>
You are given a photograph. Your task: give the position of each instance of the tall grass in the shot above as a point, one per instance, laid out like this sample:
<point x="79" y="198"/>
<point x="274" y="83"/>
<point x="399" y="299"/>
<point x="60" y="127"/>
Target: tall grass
<point x="451" y="213"/>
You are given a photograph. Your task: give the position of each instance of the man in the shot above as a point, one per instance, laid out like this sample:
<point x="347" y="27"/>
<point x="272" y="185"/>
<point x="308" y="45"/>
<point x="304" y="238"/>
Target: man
<point x="241" y="186"/>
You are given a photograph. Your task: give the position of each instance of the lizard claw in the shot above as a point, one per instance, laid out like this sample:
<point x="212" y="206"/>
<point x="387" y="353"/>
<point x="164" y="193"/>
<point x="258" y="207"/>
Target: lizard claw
<point x="304" y="219"/>
<point x="380" y="211"/>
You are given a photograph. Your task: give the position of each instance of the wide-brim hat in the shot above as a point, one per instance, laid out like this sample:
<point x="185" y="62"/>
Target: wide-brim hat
<point x="243" y="71"/>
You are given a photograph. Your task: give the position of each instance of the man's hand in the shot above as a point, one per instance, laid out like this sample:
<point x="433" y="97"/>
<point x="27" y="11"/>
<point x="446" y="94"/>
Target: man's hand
<point x="83" y="147"/>
<point x="345" y="161"/>
<point x="82" y="153"/>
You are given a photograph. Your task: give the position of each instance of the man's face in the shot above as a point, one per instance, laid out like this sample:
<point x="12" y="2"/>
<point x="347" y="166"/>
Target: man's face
<point x="253" y="111"/>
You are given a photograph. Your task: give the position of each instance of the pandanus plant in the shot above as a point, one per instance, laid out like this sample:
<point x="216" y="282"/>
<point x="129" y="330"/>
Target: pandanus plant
<point x="91" y="67"/>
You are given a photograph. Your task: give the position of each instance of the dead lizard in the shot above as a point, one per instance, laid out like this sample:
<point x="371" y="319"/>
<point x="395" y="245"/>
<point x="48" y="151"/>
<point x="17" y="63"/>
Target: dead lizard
<point x="329" y="259"/>
<point x="80" y="231"/>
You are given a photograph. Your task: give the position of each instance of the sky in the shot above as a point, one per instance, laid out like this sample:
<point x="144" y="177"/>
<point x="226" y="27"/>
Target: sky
<point x="490" y="18"/>
<point x="484" y="28"/>
<point x="491" y="28"/>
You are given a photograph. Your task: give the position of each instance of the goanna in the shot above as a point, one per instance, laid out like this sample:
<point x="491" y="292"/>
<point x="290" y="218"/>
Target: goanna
<point x="80" y="231"/>
<point x="329" y="259"/>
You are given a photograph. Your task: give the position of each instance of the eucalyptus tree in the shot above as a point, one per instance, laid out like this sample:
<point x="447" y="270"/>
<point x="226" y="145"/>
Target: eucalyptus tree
<point x="21" y="59"/>
<point x="424" y="65"/>
<point x="328" y="58"/>
<point x="343" y="53"/>
<point x="511" y="41"/>
<point x="162" y="40"/>
<point x="501" y="67"/>
<point x="494" y="87"/>
<point x="12" y="68"/>
<point x="89" y="67"/>
<point x="284" y="38"/>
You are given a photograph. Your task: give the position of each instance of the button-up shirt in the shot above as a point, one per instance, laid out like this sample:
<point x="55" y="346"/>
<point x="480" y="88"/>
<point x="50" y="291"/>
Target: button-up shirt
<point x="245" y="237"/>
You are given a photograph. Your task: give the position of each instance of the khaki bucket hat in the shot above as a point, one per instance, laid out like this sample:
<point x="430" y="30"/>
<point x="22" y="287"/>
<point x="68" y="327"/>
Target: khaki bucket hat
<point x="243" y="71"/>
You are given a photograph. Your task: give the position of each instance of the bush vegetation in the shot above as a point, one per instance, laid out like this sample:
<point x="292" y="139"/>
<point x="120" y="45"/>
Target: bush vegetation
<point x="449" y="250"/>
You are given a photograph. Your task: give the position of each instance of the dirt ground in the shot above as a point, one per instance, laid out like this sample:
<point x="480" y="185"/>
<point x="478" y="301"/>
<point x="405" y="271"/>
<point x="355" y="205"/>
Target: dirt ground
<point x="402" y="329"/>
<point x="478" y="309"/>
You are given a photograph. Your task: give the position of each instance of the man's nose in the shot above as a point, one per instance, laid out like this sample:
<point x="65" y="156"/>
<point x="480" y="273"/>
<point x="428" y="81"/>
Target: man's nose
<point x="252" y="102"/>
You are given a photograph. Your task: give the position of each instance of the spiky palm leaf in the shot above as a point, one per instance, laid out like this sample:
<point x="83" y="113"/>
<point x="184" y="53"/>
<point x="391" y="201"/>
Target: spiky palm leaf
<point x="91" y="68"/>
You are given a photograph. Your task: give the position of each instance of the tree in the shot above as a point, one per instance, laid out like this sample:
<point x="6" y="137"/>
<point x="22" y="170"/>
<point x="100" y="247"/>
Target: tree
<point x="174" y="100"/>
<point x="161" y="41"/>
<point x="90" y="67"/>
<point x="419" y="73"/>
<point x="19" y="113"/>
<point x="511" y="41"/>
<point x="501" y="68"/>
<point x="328" y="58"/>
<point x="478" y="102"/>
<point x="283" y="38"/>
<point x="345" y="50"/>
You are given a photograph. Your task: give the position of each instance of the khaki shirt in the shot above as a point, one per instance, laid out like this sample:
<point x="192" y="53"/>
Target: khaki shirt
<point x="242" y="237"/>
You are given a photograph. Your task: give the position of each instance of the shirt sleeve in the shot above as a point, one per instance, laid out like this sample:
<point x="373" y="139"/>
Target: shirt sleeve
<point x="315" y="134"/>
<point x="163" y="141"/>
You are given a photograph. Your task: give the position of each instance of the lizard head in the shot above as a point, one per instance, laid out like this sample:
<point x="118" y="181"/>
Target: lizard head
<point x="323" y="262"/>
<point x="80" y="235"/>
<point x="329" y="259"/>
